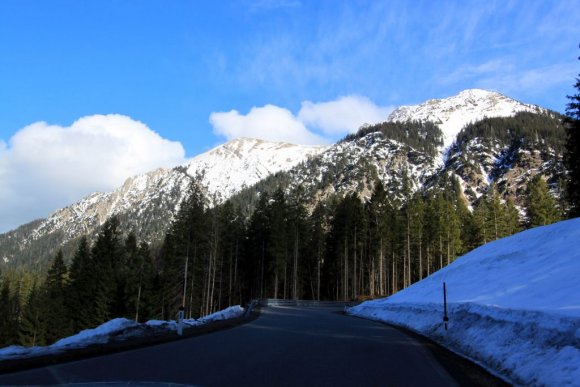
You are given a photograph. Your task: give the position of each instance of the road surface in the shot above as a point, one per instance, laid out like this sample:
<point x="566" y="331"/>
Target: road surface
<point x="286" y="346"/>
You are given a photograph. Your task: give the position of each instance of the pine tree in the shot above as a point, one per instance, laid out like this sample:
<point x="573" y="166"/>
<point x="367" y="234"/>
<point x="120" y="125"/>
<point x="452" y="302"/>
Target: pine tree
<point x="7" y="320"/>
<point x="257" y="247"/>
<point x="512" y="218"/>
<point x="278" y="241"/>
<point x="297" y="233"/>
<point x="54" y="312"/>
<point x="31" y="330"/>
<point x="80" y="291"/>
<point x="379" y="211"/>
<point x="572" y="152"/>
<point x="185" y="258"/>
<point x="101" y="302"/>
<point x="317" y="225"/>
<point x="540" y="204"/>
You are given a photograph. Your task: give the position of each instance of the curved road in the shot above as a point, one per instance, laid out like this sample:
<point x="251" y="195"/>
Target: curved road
<point x="284" y="347"/>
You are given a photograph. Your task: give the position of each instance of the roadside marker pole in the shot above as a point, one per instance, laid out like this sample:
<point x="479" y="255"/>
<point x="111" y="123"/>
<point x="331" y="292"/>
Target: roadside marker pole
<point x="445" y="317"/>
<point x="180" y="315"/>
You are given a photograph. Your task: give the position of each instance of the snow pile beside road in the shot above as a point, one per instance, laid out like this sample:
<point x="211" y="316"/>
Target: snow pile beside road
<point x="226" y="314"/>
<point x="513" y="306"/>
<point x="113" y="330"/>
<point x="99" y="335"/>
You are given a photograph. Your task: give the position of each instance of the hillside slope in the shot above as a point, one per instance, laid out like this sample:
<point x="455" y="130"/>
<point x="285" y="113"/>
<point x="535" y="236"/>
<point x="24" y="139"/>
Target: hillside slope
<point x="513" y="305"/>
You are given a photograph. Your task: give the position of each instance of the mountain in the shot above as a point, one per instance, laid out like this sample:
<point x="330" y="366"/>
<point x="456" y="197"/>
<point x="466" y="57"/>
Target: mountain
<point x="480" y="138"/>
<point x="145" y="204"/>
<point x="453" y="113"/>
<point x="503" y="153"/>
<point x="243" y="162"/>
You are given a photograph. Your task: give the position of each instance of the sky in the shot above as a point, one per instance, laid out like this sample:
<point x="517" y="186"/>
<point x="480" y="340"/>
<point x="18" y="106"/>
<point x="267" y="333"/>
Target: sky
<point x="95" y="91"/>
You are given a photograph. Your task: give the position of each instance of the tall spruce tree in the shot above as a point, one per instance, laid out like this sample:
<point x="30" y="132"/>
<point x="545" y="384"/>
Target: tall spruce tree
<point x="8" y="324"/>
<point x="184" y="257"/>
<point x="31" y="330"/>
<point x="540" y="204"/>
<point x="80" y="291"/>
<point x="54" y="311"/>
<point x="318" y="223"/>
<point x="572" y="152"/>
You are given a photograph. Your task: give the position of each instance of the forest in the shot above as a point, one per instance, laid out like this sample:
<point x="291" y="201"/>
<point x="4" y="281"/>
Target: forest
<point x="344" y="248"/>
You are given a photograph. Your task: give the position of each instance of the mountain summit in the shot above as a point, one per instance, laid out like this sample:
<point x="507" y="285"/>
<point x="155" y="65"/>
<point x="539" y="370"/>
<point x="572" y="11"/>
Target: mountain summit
<point x="243" y="162"/>
<point x="453" y="113"/>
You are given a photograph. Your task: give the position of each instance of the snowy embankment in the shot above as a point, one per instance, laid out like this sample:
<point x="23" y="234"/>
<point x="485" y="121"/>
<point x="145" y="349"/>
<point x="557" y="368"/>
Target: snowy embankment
<point x="513" y="306"/>
<point x="118" y="329"/>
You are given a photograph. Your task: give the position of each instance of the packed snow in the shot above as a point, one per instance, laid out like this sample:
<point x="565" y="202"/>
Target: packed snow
<point x="513" y="306"/>
<point x="118" y="329"/>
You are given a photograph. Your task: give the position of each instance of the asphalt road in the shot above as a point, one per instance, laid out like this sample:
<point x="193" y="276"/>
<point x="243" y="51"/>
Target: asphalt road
<point x="284" y="347"/>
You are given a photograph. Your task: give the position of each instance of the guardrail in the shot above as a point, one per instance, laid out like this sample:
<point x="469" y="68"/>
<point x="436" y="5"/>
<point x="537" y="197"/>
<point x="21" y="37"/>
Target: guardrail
<point x="269" y="302"/>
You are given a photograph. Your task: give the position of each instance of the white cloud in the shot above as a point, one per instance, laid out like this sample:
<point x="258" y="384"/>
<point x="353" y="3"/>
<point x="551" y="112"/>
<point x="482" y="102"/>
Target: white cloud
<point x="268" y="122"/>
<point x="315" y="123"/>
<point x="45" y="167"/>
<point x="344" y="115"/>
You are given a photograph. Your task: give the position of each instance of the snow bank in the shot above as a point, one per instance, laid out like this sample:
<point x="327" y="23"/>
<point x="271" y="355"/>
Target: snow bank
<point x="513" y="306"/>
<point x="116" y="329"/>
<point x="226" y="314"/>
<point x="98" y="335"/>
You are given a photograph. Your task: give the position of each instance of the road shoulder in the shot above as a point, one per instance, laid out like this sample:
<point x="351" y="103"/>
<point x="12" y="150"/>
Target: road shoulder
<point x="151" y="339"/>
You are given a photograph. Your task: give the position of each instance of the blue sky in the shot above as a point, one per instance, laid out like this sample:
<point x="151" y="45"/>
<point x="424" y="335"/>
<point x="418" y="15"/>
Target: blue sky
<point x="185" y="76"/>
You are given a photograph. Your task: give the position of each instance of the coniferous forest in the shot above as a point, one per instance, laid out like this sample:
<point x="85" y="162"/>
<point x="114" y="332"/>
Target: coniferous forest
<point x="342" y="249"/>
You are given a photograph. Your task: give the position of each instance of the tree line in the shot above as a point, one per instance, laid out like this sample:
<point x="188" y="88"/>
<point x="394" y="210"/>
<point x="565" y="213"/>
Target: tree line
<point x="211" y="258"/>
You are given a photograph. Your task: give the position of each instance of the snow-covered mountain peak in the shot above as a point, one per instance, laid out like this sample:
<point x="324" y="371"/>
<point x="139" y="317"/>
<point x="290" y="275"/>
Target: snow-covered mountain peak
<point x="221" y="172"/>
<point x="243" y="162"/>
<point x="453" y="113"/>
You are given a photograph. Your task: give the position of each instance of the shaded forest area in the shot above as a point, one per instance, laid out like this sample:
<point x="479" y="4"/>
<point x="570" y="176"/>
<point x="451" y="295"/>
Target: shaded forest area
<point x="343" y="249"/>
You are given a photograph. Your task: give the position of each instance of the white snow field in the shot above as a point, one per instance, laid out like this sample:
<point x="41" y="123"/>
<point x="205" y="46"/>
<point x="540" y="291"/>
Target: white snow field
<point x="116" y="329"/>
<point x="513" y="306"/>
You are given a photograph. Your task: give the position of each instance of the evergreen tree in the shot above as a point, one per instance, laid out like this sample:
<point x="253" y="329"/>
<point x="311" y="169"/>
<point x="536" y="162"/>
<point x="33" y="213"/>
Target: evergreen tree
<point x="512" y="218"/>
<point x="31" y="331"/>
<point x="82" y="283"/>
<point x="106" y="255"/>
<point x="257" y="247"/>
<point x="297" y="236"/>
<point x="54" y="312"/>
<point x="278" y="240"/>
<point x="540" y="204"/>
<point x="8" y="323"/>
<point x="317" y="225"/>
<point x="379" y="210"/>
<point x="572" y="152"/>
<point x="184" y="257"/>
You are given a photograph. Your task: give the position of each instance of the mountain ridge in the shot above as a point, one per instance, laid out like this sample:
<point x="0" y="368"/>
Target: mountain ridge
<point x="147" y="202"/>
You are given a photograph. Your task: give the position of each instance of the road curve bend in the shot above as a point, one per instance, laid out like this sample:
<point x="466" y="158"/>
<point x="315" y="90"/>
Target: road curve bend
<point x="286" y="346"/>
